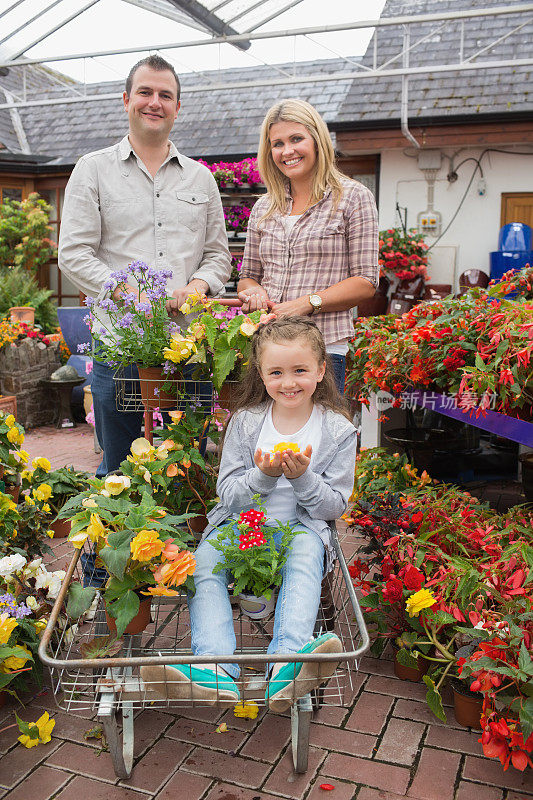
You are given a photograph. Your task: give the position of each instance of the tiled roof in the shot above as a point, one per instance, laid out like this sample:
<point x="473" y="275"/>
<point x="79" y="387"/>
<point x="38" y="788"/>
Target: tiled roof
<point x="447" y="94"/>
<point x="211" y="123"/>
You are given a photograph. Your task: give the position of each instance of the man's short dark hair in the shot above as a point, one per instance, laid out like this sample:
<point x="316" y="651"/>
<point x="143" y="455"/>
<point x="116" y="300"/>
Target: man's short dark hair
<point x="154" y="62"/>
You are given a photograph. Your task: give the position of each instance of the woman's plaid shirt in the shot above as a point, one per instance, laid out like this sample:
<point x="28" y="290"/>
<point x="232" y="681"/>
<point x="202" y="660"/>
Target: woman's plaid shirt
<point x="325" y="246"/>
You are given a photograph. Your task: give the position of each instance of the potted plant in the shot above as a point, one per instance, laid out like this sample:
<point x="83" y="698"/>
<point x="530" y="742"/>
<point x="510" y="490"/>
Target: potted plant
<point x="250" y="555"/>
<point x="65" y="482"/>
<point x="135" y="328"/>
<point x="12" y="458"/>
<point x="141" y="546"/>
<point x="402" y="253"/>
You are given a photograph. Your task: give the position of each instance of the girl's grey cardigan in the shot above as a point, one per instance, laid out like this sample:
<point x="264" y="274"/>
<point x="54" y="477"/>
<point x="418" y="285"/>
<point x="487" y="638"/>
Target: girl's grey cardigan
<point x="322" y="493"/>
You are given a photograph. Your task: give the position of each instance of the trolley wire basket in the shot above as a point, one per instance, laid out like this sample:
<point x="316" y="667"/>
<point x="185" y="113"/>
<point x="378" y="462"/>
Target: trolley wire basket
<point x="112" y="687"/>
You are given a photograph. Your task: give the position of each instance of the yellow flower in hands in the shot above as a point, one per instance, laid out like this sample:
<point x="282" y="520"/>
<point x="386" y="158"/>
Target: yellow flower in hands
<point x="146" y="545"/>
<point x="40" y="731"/>
<point x="7" y="626"/>
<point x="282" y="446"/>
<point x="418" y="601"/>
<point x="41" y="462"/>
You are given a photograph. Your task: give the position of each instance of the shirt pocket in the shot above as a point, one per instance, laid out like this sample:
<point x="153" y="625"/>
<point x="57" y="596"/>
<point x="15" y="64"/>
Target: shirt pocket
<point x="192" y="209"/>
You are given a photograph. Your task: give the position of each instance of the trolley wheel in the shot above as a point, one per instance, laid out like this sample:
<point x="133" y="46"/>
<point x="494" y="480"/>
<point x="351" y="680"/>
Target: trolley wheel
<point x="120" y="744"/>
<point x="301" y="712"/>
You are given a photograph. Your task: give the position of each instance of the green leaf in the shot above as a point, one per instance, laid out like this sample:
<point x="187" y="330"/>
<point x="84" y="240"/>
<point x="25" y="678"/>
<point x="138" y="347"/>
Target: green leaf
<point x="433" y="699"/>
<point x="224" y="363"/>
<point x="124" y="610"/>
<point x="404" y="658"/>
<point x="526" y="718"/>
<point x="117" y="552"/>
<point x="79" y="599"/>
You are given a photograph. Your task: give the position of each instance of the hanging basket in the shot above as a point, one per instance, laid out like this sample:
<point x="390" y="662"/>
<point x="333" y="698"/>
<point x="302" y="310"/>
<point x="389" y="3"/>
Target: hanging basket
<point x="152" y="380"/>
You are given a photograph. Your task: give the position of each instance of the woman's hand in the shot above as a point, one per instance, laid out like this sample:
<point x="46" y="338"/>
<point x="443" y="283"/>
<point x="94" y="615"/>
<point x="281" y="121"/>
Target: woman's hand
<point x="295" y="464"/>
<point x="299" y="307"/>
<point x="254" y="298"/>
<point x="267" y="465"/>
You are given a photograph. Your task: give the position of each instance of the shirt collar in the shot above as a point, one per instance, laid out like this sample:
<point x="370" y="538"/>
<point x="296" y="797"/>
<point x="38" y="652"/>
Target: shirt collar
<point x="126" y="150"/>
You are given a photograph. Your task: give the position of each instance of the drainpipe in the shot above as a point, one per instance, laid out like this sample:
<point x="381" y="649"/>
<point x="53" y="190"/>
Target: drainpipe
<point x="405" y="91"/>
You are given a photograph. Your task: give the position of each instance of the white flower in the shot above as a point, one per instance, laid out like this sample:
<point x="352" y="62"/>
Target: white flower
<point x="115" y="484"/>
<point x="31" y="569"/>
<point x="32" y="603"/>
<point x="89" y="502"/>
<point x="54" y="583"/>
<point x="11" y="564"/>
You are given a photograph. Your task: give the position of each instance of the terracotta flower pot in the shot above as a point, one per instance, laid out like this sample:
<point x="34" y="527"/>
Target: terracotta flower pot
<point x="139" y="622"/>
<point x="13" y="490"/>
<point x="152" y="380"/>
<point x="227" y="395"/>
<point x="467" y="706"/>
<point x="197" y="524"/>
<point x="411" y="673"/>
<point x="22" y="314"/>
<point x="61" y="528"/>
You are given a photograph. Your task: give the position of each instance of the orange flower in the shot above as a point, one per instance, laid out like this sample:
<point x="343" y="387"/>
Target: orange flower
<point x="146" y="545"/>
<point x="186" y="463"/>
<point x="171" y="551"/>
<point x="172" y="471"/>
<point x="175" y="572"/>
<point x="160" y="591"/>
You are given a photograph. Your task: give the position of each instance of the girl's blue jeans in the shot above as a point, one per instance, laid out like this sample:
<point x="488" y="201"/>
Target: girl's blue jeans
<point x="212" y="629"/>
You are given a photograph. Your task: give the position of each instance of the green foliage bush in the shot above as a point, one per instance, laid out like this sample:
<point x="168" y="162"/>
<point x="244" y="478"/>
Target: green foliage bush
<point x="18" y="287"/>
<point x="25" y="233"/>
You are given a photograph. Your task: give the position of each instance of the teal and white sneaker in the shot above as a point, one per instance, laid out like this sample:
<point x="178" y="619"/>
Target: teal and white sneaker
<point x="288" y="682"/>
<point x="208" y="683"/>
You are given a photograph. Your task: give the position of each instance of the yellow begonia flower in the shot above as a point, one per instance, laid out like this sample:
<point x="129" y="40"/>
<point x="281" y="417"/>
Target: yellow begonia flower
<point x="246" y="710"/>
<point x="141" y="449"/>
<point x="146" y="545"/>
<point x="89" y="502"/>
<point x="95" y="529"/>
<point x="115" y="484"/>
<point x="29" y="500"/>
<point x="248" y="327"/>
<point x="40" y="731"/>
<point x="7" y="626"/>
<point x="14" y="436"/>
<point x="42" y="492"/>
<point x="12" y="663"/>
<point x="24" y="456"/>
<point x="27" y="475"/>
<point x="185" y="308"/>
<point x="41" y="462"/>
<point x="78" y="539"/>
<point x="197" y="330"/>
<point x="10" y="420"/>
<point x="418" y="601"/>
<point x="161" y="452"/>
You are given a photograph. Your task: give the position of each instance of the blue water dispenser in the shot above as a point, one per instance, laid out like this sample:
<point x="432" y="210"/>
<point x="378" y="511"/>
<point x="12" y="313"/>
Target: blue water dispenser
<point x="514" y="249"/>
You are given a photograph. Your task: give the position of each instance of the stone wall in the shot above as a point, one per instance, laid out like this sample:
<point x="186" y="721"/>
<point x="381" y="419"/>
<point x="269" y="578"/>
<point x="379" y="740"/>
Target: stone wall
<point x="22" y="366"/>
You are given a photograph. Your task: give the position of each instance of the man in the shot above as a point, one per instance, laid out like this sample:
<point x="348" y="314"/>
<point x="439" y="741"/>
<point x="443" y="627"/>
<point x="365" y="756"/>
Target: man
<point x="141" y="200"/>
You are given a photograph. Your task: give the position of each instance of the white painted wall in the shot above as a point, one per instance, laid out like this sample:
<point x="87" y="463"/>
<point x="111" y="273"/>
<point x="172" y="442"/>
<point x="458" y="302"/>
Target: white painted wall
<point x="474" y="232"/>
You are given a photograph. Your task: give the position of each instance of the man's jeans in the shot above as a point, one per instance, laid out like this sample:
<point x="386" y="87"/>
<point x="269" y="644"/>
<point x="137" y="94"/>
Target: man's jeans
<point x="212" y="629"/>
<point x="116" y="430"/>
<point x="338" y="363"/>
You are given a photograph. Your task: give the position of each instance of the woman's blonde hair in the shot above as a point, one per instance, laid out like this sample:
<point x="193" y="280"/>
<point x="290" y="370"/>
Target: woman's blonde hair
<point x="251" y="392"/>
<point x="327" y="176"/>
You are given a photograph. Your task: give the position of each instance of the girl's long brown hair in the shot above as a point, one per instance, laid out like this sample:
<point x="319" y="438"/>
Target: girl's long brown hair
<point x="251" y="392"/>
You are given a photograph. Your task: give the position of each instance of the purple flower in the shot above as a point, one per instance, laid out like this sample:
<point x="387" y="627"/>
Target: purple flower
<point x="89" y="302"/>
<point x="84" y="347"/>
<point x="108" y="305"/>
<point x="144" y="307"/>
<point x="126" y="321"/>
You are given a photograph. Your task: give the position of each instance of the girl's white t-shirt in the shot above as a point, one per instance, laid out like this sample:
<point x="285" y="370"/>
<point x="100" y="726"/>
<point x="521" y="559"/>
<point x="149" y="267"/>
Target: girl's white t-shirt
<point x="280" y="504"/>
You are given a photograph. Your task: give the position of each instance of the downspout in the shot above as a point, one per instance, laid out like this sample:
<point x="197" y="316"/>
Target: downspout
<point x="405" y="91"/>
<point x="17" y="124"/>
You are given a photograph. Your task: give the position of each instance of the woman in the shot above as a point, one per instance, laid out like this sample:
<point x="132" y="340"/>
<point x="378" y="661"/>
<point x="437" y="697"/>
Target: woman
<point x="312" y="245"/>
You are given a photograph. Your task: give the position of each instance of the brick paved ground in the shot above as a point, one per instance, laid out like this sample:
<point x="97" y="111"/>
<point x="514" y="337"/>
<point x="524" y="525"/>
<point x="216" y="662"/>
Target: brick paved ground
<point x="385" y="745"/>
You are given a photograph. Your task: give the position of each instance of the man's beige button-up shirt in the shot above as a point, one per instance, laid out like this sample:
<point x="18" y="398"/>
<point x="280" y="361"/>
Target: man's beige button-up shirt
<point x="115" y="213"/>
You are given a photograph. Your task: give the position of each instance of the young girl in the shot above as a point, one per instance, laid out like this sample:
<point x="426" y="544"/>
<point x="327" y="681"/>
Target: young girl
<point x="288" y="393"/>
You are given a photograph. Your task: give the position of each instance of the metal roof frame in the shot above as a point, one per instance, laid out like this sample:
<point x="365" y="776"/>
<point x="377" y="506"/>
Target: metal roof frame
<point x="361" y="71"/>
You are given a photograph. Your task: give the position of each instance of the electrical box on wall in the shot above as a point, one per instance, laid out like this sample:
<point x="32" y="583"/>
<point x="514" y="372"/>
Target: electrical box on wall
<point x="429" y="223"/>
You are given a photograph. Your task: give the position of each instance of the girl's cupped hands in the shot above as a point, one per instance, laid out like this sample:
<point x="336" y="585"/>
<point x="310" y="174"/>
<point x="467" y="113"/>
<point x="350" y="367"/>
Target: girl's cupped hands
<point x="287" y="463"/>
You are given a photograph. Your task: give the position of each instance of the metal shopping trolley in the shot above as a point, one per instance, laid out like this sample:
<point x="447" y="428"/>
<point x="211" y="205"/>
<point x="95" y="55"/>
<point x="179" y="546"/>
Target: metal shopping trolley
<point x="113" y="689"/>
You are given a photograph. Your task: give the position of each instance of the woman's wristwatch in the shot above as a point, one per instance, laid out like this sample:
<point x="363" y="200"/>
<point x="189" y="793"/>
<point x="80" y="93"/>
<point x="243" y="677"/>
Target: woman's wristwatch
<point x="316" y="303"/>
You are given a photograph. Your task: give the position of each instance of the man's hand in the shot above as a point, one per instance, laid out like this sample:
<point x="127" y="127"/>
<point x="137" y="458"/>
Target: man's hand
<point x="299" y="307"/>
<point x="295" y="464"/>
<point x="267" y="465"/>
<point x="179" y="296"/>
<point x="124" y="288"/>
<point x="254" y="299"/>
